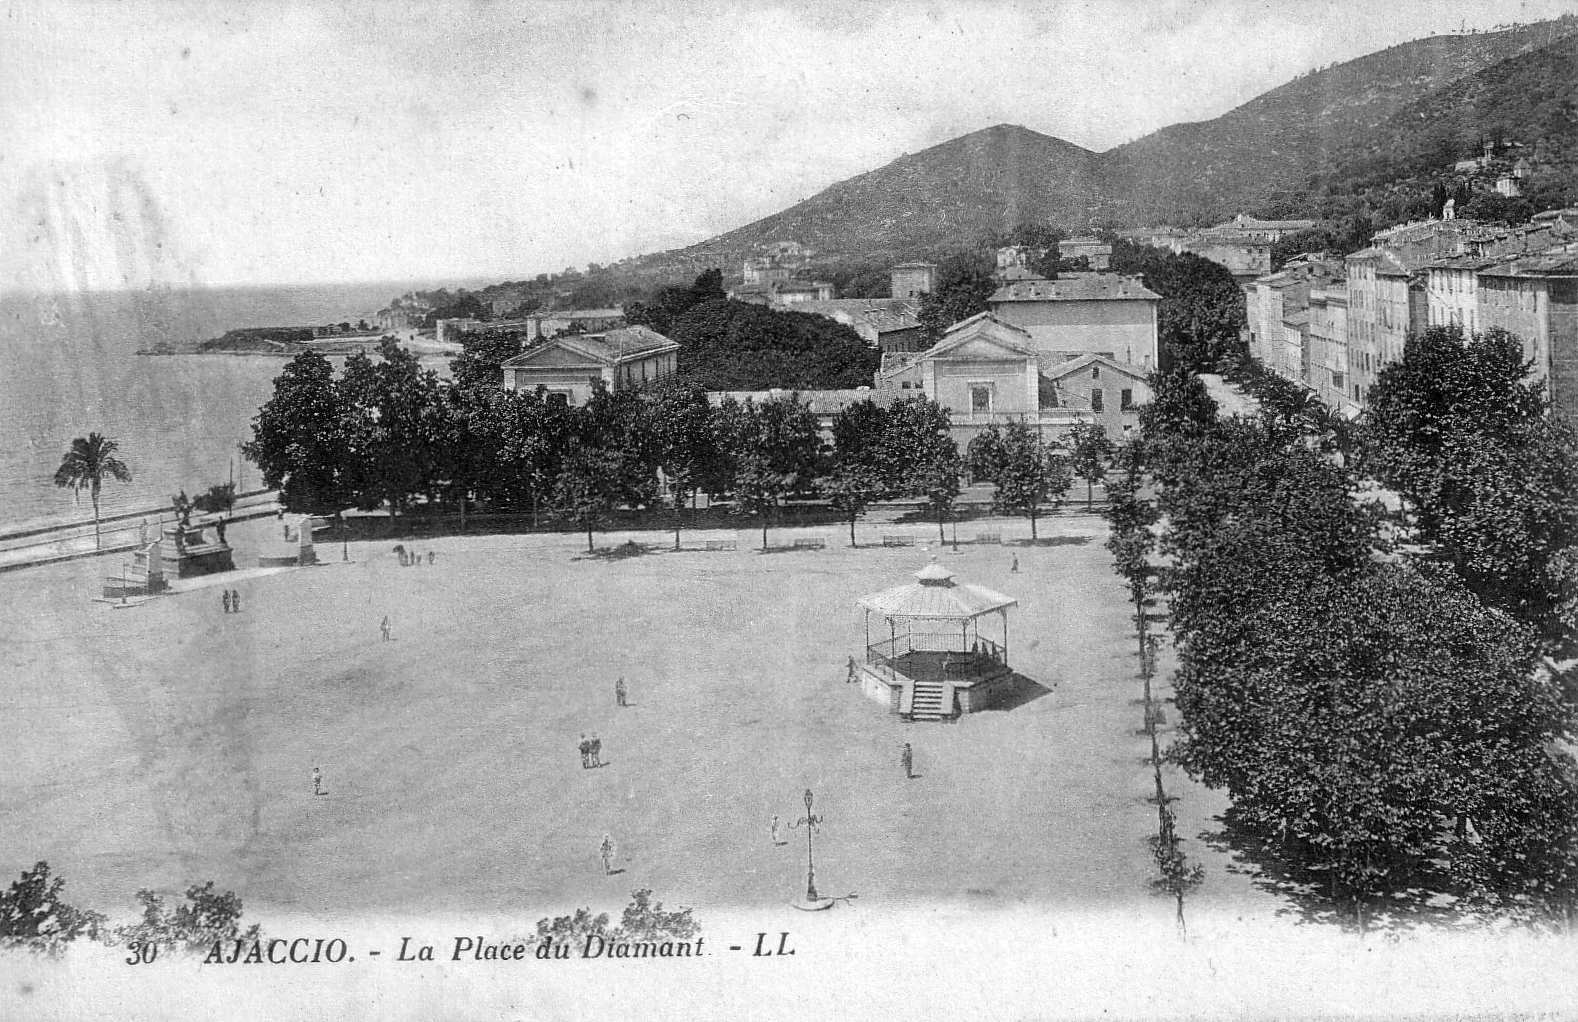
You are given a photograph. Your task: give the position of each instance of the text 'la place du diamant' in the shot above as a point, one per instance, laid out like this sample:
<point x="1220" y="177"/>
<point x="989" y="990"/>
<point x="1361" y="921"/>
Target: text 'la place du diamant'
<point x="478" y="949"/>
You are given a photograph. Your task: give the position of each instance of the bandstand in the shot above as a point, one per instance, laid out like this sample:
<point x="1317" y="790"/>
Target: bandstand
<point x="926" y="658"/>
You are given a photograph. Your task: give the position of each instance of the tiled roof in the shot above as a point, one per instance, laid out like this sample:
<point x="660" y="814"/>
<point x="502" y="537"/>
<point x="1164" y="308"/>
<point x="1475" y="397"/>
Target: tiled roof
<point x="1555" y="264"/>
<point x="1076" y="287"/>
<point x="608" y="348"/>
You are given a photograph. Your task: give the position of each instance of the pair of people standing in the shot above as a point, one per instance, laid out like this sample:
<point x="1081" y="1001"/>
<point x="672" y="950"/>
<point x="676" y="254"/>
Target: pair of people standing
<point x="591" y="752"/>
<point x="231" y="600"/>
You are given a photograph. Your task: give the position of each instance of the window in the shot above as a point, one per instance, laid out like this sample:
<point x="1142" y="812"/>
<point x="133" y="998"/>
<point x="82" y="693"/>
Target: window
<point x="980" y="400"/>
<point x="1095" y="372"/>
<point x="1095" y="399"/>
<point x="560" y="397"/>
<point x="1126" y="399"/>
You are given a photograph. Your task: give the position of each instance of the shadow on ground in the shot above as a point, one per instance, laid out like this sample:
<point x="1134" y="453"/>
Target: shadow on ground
<point x="1022" y="691"/>
<point x="1305" y="892"/>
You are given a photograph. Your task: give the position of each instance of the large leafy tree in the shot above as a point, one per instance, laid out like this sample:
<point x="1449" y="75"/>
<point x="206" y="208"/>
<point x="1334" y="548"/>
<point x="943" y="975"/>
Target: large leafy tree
<point x="88" y="463"/>
<point x="965" y="282"/>
<point x="1459" y="430"/>
<point x="607" y="462"/>
<point x="1089" y="454"/>
<point x="737" y="346"/>
<point x="684" y="442"/>
<point x="922" y="458"/>
<point x="299" y="438"/>
<point x="1027" y="472"/>
<point x="393" y="420"/>
<point x="476" y="368"/>
<point x="860" y="474"/>
<point x="775" y="449"/>
<point x="1201" y="315"/>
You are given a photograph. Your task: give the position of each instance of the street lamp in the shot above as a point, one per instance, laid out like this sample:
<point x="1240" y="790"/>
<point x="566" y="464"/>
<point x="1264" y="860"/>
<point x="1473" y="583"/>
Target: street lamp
<point x="810" y="821"/>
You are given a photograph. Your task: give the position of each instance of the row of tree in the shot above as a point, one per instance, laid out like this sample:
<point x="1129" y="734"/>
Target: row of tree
<point x="388" y="433"/>
<point x="1381" y="722"/>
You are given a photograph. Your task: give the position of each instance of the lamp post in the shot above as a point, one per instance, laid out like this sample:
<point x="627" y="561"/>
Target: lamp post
<point x="809" y="821"/>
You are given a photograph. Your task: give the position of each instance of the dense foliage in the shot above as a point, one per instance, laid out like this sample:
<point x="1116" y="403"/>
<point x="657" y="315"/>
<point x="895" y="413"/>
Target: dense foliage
<point x="1490" y="479"/>
<point x="388" y="434"/>
<point x="728" y="345"/>
<point x="1381" y="728"/>
<point x="1201" y="316"/>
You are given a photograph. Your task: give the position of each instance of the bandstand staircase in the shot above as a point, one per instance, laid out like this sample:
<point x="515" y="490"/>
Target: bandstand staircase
<point x="927" y="702"/>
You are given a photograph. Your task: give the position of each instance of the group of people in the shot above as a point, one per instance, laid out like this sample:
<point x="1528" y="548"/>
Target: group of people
<point x="412" y="559"/>
<point x="230" y="599"/>
<point x="591" y="752"/>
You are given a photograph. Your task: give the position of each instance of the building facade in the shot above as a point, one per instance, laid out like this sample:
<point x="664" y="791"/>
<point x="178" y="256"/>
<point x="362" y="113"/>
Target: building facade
<point x="911" y="280"/>
<point x="570" y="367"/>
<point x="1084" y="313"/>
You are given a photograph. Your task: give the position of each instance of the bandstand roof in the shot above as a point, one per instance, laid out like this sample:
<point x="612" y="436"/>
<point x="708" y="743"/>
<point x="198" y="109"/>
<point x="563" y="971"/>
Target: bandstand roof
<point x="935" y="596"/>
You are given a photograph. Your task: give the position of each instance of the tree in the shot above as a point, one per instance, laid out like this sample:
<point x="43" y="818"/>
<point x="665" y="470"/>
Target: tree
<point x="672" y="303"/>
<point x="1089" y="453"/>
<point x="392" y="418"/>
<point x="35" y="915"/>
<point x="606" y="463"/>
<point x="205" y="918"/>
<point x="860" y="475"/>
<point x="921" y="457"/>
<point x="88" y="463"/>
<point x="477" y="367"/>
<point x="1458" y="430"/>
<point x="1179" y="404"/>
<point x="299" y="438"/>
<point x="680" y="423"/>
<point x="736" y="346"/>
<point x="1201" y="315"/>
<point x="965" y="282"/>
<point x="1026" y="471"/>
<point x="776" y="451"/>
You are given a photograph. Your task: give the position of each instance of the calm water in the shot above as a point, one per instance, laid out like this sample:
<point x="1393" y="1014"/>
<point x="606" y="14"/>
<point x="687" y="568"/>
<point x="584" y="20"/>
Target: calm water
<point x="68" y="367"/>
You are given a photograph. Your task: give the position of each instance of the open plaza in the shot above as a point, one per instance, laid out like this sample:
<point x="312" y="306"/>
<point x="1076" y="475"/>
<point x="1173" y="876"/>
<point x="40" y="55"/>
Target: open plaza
<point x="170" y="743"/>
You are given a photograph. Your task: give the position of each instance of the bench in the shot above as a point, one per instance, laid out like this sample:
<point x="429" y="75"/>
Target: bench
<point x="814" y="543"/>
<point x="721" y="544"/>
<point x="898" y="540"/>
<point x="989" y="537"/>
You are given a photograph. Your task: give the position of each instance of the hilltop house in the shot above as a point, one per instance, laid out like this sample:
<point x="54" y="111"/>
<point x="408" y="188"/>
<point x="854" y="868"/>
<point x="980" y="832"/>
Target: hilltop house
<point x="568" y="367"/>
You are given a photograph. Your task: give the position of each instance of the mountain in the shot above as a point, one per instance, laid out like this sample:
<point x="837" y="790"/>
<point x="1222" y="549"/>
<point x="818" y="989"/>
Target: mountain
<point x="992" y="179"/>
<point x="1432" y="98"/>
<point x="1531" y="99"/>
<point x="1268" y="148"/>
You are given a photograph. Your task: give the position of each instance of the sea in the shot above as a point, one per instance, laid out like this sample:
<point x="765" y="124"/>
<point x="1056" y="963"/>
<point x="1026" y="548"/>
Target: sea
<point x="68" y="367"/>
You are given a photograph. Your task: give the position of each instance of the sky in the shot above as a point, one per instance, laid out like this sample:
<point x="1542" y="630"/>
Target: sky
<point x="168" y="144"/>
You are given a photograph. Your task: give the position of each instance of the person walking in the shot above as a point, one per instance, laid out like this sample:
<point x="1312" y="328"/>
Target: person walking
<point x="317" y="782"/>
<point x="235" y="600"/>
<point x="597" y="751"/>
<point x="225" y="600"/>
<point x="606" y="852"/>
<point x="1014" y="570"/>
<point x="383" y="627"/>
<point x="586" y="753"/>
<point x="619" y="692"/>
<point x="907" y="760"/>
<point x="777" y="829"/>
<point x="430" y="558"/>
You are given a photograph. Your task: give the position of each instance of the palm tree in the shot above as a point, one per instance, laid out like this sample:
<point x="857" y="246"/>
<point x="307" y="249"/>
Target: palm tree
<point x="88" y="463"/>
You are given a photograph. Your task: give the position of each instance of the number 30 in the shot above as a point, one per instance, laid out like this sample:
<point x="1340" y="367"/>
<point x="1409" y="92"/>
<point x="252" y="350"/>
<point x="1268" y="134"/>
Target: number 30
<point x="141" y="953"/>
